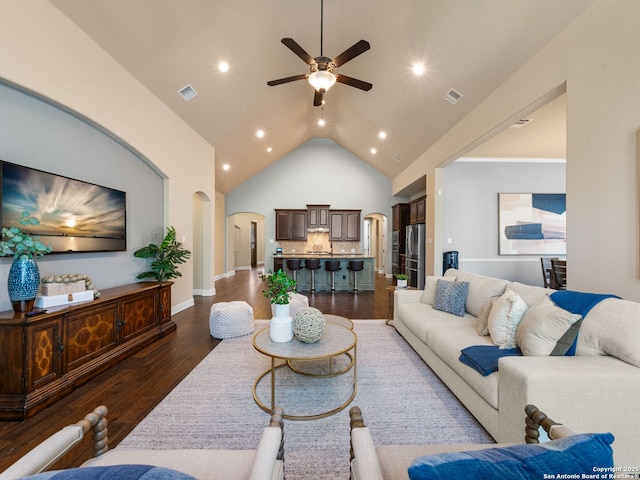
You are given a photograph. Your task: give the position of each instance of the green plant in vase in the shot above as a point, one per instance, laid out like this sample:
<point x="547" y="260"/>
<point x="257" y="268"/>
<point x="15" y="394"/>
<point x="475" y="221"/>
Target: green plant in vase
<point x="24" y="276"/>
<point x="166" y="258"/>
<point x="279" y="285"/>
<point x="401" y="280"/>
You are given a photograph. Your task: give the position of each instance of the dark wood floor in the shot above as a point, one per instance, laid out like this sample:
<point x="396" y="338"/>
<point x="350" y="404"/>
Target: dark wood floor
<point x="135" y="386"/>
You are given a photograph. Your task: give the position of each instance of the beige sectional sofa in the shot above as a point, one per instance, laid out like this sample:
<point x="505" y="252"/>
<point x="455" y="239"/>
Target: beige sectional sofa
<point x="594" y="391"/>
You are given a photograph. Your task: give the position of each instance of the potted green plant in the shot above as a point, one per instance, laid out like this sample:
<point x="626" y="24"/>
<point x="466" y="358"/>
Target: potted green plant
<point x="279" y="286"/>
<point x="401" y="280"/>
<point x="166" y="258"/>
<point x="24" y="275"/>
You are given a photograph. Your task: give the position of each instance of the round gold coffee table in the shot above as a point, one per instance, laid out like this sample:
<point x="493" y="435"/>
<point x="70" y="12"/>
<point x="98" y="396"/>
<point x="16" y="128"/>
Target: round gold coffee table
<point x="336" y="340"/>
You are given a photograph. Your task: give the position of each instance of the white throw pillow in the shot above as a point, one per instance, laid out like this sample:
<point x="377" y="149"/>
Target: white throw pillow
<point x="505" y="315"/>
<point x="547" y="329"/>
<point x="429" y="292"/>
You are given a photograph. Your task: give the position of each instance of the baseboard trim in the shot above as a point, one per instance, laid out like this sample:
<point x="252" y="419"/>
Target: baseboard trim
<point x="204" y="293"/>
<point x="182" y="306"/>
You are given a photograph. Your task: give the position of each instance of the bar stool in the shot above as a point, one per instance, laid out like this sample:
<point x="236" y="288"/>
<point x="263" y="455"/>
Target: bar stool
<point x="294" y="264"/>
<point x="312" y="264"/>
<point x="355" y="266"/>
<point x="332" y="266"/>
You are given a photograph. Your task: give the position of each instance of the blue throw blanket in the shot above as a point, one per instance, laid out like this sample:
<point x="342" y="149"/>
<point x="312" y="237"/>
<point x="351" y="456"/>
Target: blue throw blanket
<point x="578" y="302"/>
<point x="484" y="358"/>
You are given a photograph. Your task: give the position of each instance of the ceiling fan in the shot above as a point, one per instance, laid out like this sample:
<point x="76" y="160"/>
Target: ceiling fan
<point x="322" y="76"/>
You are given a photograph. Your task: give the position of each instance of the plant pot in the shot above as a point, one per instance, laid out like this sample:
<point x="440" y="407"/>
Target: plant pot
<point x="281" y="326"/>
<point x="23" y="284"/>
<point x="401" y="283"/>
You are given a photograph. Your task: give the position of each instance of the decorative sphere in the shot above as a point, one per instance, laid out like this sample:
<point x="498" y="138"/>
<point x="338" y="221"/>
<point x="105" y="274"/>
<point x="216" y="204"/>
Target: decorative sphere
<point x="308" y="324"/>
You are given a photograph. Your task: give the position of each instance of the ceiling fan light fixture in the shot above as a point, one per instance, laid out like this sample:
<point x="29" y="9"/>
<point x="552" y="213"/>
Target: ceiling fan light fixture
<point x="322" y="80"/>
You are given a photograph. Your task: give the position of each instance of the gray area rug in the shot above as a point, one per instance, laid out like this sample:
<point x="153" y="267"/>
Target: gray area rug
<point x="402" y="400"/>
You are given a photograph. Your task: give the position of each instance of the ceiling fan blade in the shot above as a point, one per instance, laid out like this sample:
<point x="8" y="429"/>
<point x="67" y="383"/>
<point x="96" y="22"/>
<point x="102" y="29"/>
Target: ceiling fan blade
<point x="280" y="81"/>
<point x="351" y="53"/>
<point x="318" y="97"/>
<point x="354" y="82"/>
<point x="292" y="45"/>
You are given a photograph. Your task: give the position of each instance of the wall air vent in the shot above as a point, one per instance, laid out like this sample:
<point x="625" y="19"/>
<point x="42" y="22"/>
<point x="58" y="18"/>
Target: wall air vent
<point x="187" y="92"/>
<point x="521" y="123"/>
<point x="453" y="96"/>
<point x="397" y="158"/>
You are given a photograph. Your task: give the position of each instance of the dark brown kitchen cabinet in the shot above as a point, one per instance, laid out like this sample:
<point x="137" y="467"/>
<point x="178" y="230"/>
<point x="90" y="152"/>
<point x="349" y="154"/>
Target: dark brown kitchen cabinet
<point x="47" y="356"/>
<point x="318" y="216"/>
<point x="418" y="210"/>
<point x="400" y="216"/>
<point x="291" y="225"/>
<point x="344" y="225"/>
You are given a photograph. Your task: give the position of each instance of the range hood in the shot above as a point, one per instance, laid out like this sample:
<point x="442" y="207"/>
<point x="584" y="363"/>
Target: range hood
<point x="318" y="230"/>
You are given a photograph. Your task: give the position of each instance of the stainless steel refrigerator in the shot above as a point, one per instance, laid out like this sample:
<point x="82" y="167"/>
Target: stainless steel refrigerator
<point x="415" y="255"/>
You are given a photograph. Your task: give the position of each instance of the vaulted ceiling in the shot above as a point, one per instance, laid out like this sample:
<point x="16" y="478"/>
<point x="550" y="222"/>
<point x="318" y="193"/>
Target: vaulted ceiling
<point x="471" y="46"/>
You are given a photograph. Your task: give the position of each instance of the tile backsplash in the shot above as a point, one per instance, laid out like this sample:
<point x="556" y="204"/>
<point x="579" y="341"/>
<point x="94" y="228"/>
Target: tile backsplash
<point x="318" y="242"/>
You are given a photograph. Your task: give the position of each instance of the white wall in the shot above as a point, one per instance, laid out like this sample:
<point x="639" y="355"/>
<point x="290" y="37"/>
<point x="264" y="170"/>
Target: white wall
<point x="596" y="58"/>
<point x="38" y="135"/>
<point x="470" y="211"/>
<point x="44" y="52"/>
<point x="318" y="172"/>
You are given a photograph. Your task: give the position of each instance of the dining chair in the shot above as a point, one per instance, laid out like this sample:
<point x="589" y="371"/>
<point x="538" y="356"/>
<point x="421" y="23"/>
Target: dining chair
<point x="547" y="272"/>
<point x="559" y="269"/>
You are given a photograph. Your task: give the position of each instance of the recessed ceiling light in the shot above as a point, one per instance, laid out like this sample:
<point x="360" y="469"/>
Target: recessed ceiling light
<point x="321" y="122"/>
<point x="269" y="149"/>
<point x="382" y="134"/>
<point x="418" y="69"/>
<point x="223" y="67"/>
<point x="226" y="166"/>
<point x="260" y="133"/>
<point x="373" y="151"/>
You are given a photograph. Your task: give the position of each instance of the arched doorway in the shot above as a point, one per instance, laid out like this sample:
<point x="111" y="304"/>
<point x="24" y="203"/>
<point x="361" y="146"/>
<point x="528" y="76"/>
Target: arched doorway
<point x="202" y="246"/>
<point x="375" y="240"/>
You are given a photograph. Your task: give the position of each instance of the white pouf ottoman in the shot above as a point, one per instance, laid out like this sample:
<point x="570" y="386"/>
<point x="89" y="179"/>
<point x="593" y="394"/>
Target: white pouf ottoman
<point x="231" y="319"/>
<point x="296" y="302"/>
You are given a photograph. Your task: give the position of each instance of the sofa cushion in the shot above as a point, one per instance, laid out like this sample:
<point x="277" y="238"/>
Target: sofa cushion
<point x="420" y="318"/>
<point x="576" y="456"/>
<point x="481" y="289"/>
<point x="199" y="463"/>
<point x="505" y="315"/>
<point x="612" y="327"/>
<point x="447" y="343"/>
<point x="529" y="293"/>
<point x="547" y="329"/>
<point x="451" y="297"/>
<point x="429" y="292"/>
<point x="114" y="472"/>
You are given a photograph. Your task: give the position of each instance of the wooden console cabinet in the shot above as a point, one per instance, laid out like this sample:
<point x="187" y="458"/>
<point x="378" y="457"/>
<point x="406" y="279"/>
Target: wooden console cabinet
<point x="46" y="356"/>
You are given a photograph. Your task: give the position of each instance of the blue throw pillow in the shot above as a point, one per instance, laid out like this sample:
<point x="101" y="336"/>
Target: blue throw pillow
<point x="114" y="472"/>
<point x="573" y="456"/>
<point x="451" y="297"/>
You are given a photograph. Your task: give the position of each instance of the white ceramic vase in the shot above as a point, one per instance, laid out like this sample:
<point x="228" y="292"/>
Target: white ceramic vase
<point x="401" y="283"/>
<point x="281" y="326"/>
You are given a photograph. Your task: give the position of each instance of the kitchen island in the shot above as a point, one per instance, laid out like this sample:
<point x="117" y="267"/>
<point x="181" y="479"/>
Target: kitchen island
<point x="343" y="277"/>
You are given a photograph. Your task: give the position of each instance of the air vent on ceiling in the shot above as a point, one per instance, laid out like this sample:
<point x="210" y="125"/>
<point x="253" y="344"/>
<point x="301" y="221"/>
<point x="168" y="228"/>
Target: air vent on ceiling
<point x="187" y="92"/>
<point x="397" y="158"/>
<point x="453" y="96"/>
<point x="521" y="123"/>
